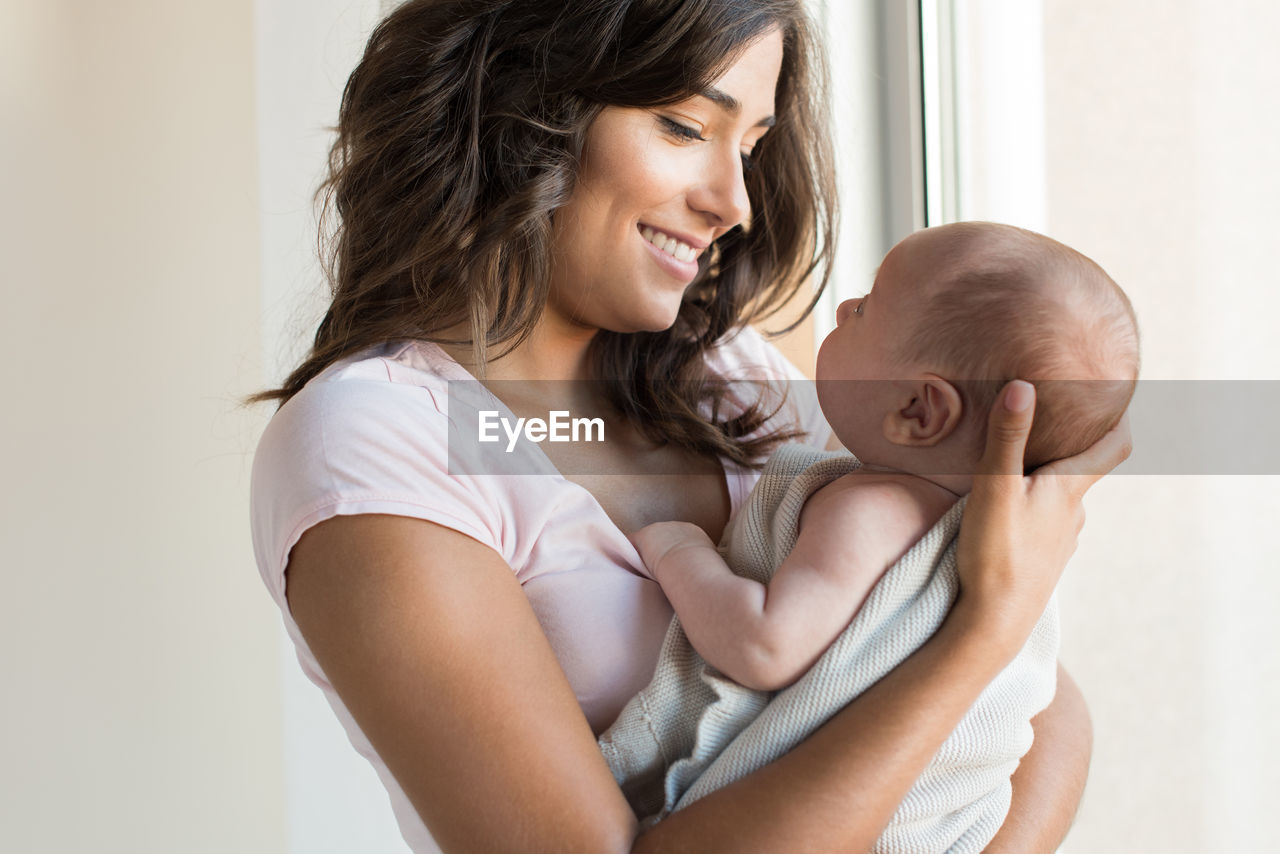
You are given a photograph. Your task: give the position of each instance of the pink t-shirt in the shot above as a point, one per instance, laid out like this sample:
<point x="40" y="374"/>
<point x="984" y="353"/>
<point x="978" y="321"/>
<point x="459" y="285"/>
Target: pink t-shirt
<point x="370" y="435"/>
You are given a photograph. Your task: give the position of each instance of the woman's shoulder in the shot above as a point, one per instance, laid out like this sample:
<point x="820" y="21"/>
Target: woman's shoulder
<point x="387" y="369"/>
<point x="369" y="434"/>
<point x="386" y="402"/>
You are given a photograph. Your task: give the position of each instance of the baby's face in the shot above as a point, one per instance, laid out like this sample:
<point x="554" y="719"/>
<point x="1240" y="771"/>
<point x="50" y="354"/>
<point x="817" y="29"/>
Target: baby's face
<point x="857" y="360"/>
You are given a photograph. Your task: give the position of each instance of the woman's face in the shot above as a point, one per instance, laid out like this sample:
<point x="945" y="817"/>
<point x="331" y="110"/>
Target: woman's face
<point x="655" y="188"/>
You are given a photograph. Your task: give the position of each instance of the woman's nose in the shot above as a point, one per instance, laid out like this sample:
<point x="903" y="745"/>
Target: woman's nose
<point x="722" y="192"/>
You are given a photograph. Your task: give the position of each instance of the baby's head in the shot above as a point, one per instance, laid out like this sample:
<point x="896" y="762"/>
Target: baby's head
<point x="908" y="377"/>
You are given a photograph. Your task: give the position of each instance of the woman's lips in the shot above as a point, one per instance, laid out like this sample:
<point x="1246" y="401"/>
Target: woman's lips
<point x="674" y="265"/>
<point x="675" y="256"/>
<point x="669" y="243"/>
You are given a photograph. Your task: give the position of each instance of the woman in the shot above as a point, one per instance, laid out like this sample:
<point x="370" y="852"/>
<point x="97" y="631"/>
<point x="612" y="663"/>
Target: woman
<point x="591" y="199"/>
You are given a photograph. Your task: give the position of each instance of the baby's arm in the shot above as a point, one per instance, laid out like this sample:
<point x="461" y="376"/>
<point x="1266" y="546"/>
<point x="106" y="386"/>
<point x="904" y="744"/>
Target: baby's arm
<point x="765" y="638"/>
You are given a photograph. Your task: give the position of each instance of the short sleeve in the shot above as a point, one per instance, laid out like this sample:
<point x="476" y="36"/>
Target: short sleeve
<point x="355" y="442"/>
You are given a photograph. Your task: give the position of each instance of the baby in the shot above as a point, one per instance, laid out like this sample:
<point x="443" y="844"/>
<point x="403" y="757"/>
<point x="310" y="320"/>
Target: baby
<point x="906" y="380"/>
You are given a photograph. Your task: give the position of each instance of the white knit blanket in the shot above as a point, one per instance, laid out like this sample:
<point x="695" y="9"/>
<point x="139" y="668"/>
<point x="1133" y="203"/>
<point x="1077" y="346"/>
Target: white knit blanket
<point x="692" y="730"/>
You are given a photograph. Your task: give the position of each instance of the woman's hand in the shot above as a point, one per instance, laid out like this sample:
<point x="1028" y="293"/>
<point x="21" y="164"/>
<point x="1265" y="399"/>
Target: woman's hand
<point x="1018" y="532"/>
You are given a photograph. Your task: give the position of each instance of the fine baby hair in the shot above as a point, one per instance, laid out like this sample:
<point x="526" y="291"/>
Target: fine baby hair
<point x="1008" y="303"/>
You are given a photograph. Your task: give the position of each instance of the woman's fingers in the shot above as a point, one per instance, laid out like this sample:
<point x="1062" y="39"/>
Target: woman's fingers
<point x="997" y="521"/>
<point x="1014" y="540"/>
<point x="1008" y="427"/>
<point x="1087" y="467"/>
<point x="1018" y="532"/>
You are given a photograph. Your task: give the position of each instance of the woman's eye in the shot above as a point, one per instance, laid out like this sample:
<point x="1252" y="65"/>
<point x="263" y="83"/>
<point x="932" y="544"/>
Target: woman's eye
<point x="683" y="131"/>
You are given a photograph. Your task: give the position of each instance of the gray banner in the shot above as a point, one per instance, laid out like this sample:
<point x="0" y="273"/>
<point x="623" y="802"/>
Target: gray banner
<point x="1179" y="427"/>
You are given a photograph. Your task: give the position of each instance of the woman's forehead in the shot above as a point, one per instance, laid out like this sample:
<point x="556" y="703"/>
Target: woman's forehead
<point x="747" y="86"/>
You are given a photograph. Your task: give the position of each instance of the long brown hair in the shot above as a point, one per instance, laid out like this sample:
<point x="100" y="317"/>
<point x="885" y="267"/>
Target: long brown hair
<point x="458" y="137"/>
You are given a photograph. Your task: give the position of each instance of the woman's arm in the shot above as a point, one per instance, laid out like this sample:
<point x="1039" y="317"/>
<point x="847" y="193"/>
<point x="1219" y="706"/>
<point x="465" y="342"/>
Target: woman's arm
<point x="429" y="640"/>
<point x="1017" y="535"/>
<point x="1049" y="782"/>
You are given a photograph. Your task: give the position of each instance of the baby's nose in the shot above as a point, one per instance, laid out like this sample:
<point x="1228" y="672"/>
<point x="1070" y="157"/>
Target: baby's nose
<point x="845" y="309"/>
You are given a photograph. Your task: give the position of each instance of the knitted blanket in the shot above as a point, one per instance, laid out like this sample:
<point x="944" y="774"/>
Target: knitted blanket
<point x="692" y="730"/>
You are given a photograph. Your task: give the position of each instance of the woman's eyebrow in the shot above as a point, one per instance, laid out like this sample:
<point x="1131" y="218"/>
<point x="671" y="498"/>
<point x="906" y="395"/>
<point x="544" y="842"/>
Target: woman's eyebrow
<point x="732" y="105"/>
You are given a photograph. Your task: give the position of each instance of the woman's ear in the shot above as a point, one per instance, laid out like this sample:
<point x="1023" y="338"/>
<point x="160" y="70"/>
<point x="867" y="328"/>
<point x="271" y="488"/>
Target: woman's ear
<point x="928" y="410"/>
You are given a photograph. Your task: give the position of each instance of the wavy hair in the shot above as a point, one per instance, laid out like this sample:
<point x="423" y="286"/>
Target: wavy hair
<point x="460" y="134"/>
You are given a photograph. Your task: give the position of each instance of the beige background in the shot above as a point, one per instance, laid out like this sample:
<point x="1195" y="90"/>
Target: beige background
<point x="141" y="684"/>
<point x="145" y="261"/>
<point x="1161" y="150"/>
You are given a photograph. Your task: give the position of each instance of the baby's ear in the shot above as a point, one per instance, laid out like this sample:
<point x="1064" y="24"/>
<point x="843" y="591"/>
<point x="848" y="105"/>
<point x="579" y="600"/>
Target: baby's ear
<point x="928" y="410"/>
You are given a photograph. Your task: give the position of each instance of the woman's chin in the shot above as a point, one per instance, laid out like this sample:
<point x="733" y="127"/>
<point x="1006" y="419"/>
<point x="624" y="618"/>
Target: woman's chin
<point x="656" y="316"/>
<point x="659" y="320"/>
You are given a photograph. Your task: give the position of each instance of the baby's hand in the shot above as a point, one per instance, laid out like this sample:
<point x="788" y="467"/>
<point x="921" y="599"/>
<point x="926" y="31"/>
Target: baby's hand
<point x="661" y="539"/>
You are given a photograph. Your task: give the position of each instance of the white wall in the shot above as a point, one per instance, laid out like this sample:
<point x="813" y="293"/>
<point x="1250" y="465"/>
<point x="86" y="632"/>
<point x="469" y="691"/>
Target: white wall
<point x="141" y="707"/>
<point x="1160" y="119"/>
<point x="1160" y="162"/>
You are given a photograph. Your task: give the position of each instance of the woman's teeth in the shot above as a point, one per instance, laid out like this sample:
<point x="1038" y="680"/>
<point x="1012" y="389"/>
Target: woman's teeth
<point x="671" y="246"/>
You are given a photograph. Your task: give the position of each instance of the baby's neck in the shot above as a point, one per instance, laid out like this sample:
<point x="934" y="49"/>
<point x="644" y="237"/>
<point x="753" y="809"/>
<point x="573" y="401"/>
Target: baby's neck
<point x="957" y="484"/>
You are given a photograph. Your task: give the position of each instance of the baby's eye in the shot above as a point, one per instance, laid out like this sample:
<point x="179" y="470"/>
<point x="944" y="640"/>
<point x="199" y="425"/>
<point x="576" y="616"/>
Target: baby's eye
<point x="682" y="131"/>
<point x="857" y="309"/>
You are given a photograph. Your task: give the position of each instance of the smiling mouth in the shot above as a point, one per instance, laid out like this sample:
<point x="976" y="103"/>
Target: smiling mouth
<point x="668" y="244"/>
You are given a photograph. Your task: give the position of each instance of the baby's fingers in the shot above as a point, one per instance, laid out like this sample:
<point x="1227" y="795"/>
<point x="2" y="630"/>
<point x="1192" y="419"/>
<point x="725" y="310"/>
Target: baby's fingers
<point x="656" y="540"/>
